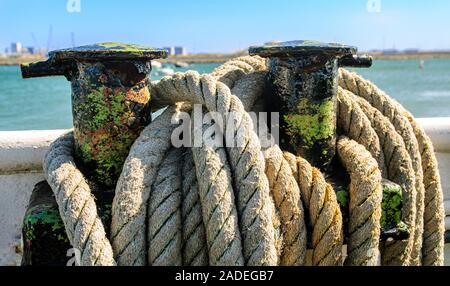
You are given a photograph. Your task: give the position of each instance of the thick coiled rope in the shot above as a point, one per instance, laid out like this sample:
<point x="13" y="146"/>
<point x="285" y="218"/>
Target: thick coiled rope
<point x="419" y="146"/>
<point x="286" y="193"/>
<point x="399" y="170"/>
<point x="253" y="204"/>
<point x="366" y="195"/>
<point x="246" y="161"/>
<point x="195" y="251"/>
<point x="164" y="213"/>
<point x="325" y="215"/>
<point x="76" y="204"/>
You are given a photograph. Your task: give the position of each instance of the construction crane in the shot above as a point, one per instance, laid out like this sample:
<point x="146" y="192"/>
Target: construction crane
<point x="35" y="42"/>
<point x="72" y="38"/>
<point x="49" y="40"/>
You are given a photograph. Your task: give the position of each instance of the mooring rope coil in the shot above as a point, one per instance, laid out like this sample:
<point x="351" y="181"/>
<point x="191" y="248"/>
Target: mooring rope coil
<point x="365" y="203"/>
<point x="76" y="204"/>
<point x="433" y="215"/>
<point x="247" y="205"/>
<point x="325" y="215"/>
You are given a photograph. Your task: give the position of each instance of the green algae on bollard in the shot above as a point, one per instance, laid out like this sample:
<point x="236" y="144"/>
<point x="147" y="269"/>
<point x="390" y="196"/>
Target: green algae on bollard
<point x="302" y="86"/>
<point x="391" y="212"/>
<point x="110" y="101"/>
<point x="392" y="226"/>
<point x="45" y="240"/>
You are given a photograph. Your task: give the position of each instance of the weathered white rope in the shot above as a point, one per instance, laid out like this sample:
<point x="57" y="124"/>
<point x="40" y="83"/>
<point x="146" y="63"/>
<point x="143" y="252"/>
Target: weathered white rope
<point x="193" y="212"/>
<point x="219" y="211"/>
<point x="195" y="250"/>
<point x="365" y="203"/>
<point x="286" y="194"/>
<point x="164" y="214"/>
<point x="429" y="195"/>
<point x="434" y="216"/>
<point x="76" y="204"/>
<point x="129" y="209"/>
<point x="325" y="216"/>
<point x="246" y="161"/>
<point x="353" y="122"/>
<point x="400" y="171"/>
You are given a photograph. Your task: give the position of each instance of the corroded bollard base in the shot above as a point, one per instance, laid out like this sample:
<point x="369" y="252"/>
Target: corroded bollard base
<point x="45" y="241"/>
<point x="392" y="226"/>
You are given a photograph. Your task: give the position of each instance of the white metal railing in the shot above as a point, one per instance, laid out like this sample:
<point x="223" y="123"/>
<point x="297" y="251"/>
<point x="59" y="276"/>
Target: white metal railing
<point x="439" y="131"/>
<point x="22" y="151"/>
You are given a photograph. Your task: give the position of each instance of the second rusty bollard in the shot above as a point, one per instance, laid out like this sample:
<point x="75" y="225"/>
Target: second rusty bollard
<point x="110" y="101"/>
<point x="302" y="84"/>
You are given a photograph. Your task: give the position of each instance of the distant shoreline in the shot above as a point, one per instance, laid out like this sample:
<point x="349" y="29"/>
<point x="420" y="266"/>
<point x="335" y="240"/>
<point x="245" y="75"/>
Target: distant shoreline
<point x="14" y="61"/>
<point x="410" y="56"/>
<point x="220" y="58"/>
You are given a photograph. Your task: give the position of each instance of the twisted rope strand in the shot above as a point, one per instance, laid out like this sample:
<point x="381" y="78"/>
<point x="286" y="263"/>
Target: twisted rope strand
<point x="129" y="209"/>
<point x="164" y="213"/>
<point x="413" y="136"/>
<point x="195" y="250"/>
<point x="324" y="212"/>
<point x="286" y="194"/>
<point x="365" y="203"/>
<point x="76" y="204"/>
<point x="400" y="171"/>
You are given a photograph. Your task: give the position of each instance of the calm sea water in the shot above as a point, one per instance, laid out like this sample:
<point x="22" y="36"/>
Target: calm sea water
<point x="44" y="103"/>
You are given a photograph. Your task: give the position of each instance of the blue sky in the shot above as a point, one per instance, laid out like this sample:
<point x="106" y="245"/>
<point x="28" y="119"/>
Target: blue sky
<point x="227" y="25"/>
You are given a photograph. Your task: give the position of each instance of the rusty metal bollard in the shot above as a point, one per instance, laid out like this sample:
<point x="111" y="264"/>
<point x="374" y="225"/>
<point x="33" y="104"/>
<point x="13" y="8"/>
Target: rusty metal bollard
<point x="110" y="107"/>
<point x="302" y="87"/>
<point x="110" y="101"/>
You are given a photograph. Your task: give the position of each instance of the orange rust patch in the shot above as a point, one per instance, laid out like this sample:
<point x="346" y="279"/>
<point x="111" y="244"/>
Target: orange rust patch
<point x="141" y="96"/>
<point x="98" y="135"/>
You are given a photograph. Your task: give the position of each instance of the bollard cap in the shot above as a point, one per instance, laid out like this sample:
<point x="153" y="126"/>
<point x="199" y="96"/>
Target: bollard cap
<point x="60" y="61"/>
<point x="302" y="48"/>
<point x="109" y="51"/>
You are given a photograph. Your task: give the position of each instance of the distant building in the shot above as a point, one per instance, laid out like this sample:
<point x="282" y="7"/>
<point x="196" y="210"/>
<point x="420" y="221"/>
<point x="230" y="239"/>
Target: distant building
<point x="41" y="51"/>
<point x="390" y="51"/>
<point x="31" y="50"/>
<point x="170" y="50"/>
<point x="274" y="42"/>
<point x="36" y="51"/>
<point x="16" y="48"/>
<point x="180" y="51"/>
<point x="176" y="51"/>
<point x="411" y="51"/>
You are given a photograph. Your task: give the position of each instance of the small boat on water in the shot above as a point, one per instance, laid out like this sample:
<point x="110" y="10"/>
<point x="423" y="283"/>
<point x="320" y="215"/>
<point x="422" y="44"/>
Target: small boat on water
<point x="422" y="64"/>
<point x="181" y="65"/>
<point x="166" y="71"/>
<point x="156" y="64"/>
